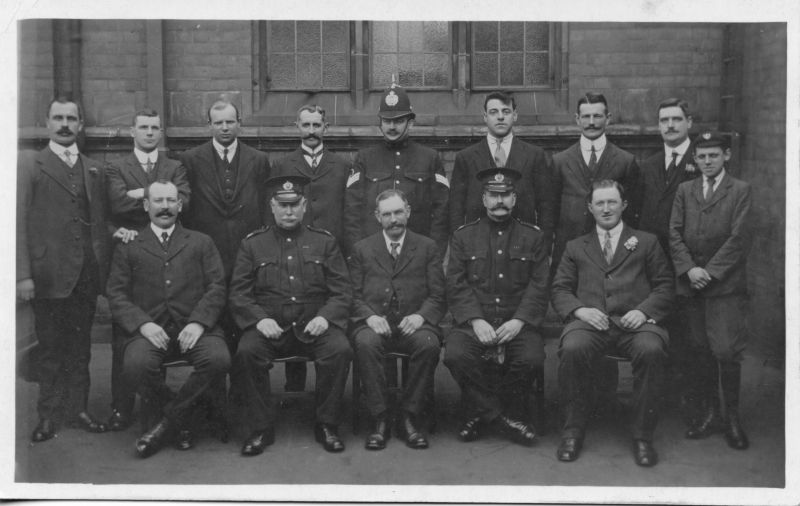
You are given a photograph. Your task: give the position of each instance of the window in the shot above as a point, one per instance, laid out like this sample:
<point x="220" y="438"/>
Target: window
<point x="511" y="54"/>
<point x="417" y="53"/>
<point x="308" y="55"/>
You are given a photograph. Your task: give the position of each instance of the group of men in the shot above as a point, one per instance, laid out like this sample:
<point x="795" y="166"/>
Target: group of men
<point x="230" y="263"/>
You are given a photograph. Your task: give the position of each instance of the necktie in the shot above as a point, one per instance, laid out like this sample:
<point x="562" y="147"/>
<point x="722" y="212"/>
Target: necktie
<point x="314" y="157"/>
<point x="164" y="240"/>
<point x="394" y="252"/>
<point x="608" y="251"/>
<point x="673" y="163"/>
<point x="68" y="158"/>
<point x="593" y="160"/>
<point x="225" y="156"/>
<point x="710" y="188"/>
<point x="148" y="166"/>
<point x="500" y="156"/>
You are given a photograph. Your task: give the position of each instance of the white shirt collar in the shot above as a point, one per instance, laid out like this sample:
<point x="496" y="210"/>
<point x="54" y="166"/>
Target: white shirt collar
<point x="58" y="149"/>
<point x="389" y="242"/>
<point x="717" y="180"/>
<point x="158" y="230"/>
<point x="599" y="144"/>
<point x="680" y="149"/>
<point x="307" y="151"/>
<point x="143" y="157"/>
<point x="614" y="232"/>
<point x="504" y="141"/>
<point x="231" y="149"/>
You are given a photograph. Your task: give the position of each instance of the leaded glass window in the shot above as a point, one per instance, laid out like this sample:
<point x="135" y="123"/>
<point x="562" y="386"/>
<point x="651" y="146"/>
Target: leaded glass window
<point x="416" y="52"/>
<point x="511" y="54"/>
<point x="308" y="55"/>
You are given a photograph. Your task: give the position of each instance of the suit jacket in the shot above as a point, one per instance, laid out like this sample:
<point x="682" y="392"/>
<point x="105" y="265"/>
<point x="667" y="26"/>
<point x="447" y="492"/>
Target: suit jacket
<point x="573" y="182"/>
<point x="186" y="283"/>
<point x="127" y="174"/>
<point x="535" y="193"/>
<point x="471" y="291"/>
<point x="638" y="278"/>
<point x="714" y="235"/>
<point x="323" y="290"/>
<point x="226" y="222"/>
<point x="657" y="191"/>
<point x="416" y="279"/>
<point x="48" y="222"/>
<point x="325" y="193"/>
<point x="414" y="169"/>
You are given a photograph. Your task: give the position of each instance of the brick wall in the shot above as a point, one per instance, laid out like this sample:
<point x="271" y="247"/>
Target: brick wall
<point x="636" y="65"/>
<point x="761" y="121"/>
<point x="35" y="70"/>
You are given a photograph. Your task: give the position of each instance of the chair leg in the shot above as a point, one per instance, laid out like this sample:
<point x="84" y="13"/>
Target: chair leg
<point x="356" y="397"/>
<point x="541" y="416"/>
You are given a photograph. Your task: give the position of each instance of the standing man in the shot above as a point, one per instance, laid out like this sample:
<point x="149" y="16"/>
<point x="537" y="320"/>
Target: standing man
<point x="327" y="173"/>
<point x="400" y="164"/>
<point x="166" y="290"/>
<point x="290" y="294"/>
<point x="613" y="286"/>
<point x="536" y="198"/>
<point x="62" y="262"/>
<point x="592" y="158"/>
<point x="398" y="303"/>
<point x="127" y="179"/>
<point x="497" y="293"/>
<point x="709" y="236"/>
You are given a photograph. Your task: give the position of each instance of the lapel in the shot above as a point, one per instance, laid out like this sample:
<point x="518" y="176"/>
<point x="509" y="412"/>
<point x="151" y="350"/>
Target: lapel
<point x="246" y="160"/>
<point x="720" y="193"/>
<point x="205" y="170"/>
<point x="578" y="166"/>
<point x="55" y="168"/>
<point x="514" y="153"/>
<point x="606" y="162"/>
<point x="178" y="241"/>
<point x="593" y="250"/>
<point x="88" y="175"/>
<point x="484" y="153"/>
<point x="621" y="253"/>
<point x="381" y="254"/>
<point x="136" y="171"/>
<point x="324" y="167"/>
<point x="298" y="162"/>
<point x="406" y="254"/>
<point x="661" y="178"/>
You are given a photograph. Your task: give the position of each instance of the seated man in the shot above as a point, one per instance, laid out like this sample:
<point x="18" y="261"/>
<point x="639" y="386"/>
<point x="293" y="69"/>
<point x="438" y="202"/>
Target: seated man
<point x="612" y="285"/>
<point x="290" y="294"/>
<point x="497" y="293"/>
<point x="166" y="290"/>
<point x="398" y="303"/>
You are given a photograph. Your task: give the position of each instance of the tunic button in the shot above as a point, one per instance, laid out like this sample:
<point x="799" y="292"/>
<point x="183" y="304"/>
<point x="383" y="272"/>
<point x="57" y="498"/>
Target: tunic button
<point x="397" y="182"/>
<point x="166" y="264"/>
<point x="419" y="179"/>
<point x="398" y="153"/>
<point x="386" y="290"/>
<point x="473" y="258"/>
<point x="291" y="278"/>
<point x="288" y="239"/>
<point x="289" y="257"/>
<point x="169" y="282"/>
<point x="499" y="252"/>
<point x="499" y="232"/>
<point x="497" y="300"/>
<point x="500" y="275"/>
<point x="397" y="167"/>
<point x="294" y="299"/>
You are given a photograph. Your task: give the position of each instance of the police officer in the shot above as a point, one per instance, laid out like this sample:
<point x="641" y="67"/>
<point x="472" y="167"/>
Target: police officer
<point x="290" y="294"/>
<point x="400" y="164"/>
<point x="497" y="293"/>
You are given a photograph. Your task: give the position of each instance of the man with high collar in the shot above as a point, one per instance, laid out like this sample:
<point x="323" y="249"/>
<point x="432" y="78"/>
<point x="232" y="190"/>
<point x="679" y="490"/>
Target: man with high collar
<point x="612" y="287"/>
<point x="399" y="164"/>
<point x="592" y="158"/>
<point x="290" y="294"/>
<point x="497" y="293"/>
<point x="327" y="173"/>
<point x="62" y="261"/>
<point x="398" y="303"/>
<point x="709" y="236"/>
<point x="535" y="194"/>
<point x="166" y="290"/>
<point x="127" y="178"/>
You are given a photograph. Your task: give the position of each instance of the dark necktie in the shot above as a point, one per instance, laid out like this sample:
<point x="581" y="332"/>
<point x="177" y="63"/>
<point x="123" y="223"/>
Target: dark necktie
<point x="500" y="156"/>
<point x="394" y="252"/>
<point x="148" y="167"/>
<point x="225" y="160"/>
<point x="314" y="162"/>
<point x="164" y="241"/>
<point x="593" y="160"/>
<point x="608" y="251"/>
<point x="673" y="164"/>
<point x="710" y="188"/>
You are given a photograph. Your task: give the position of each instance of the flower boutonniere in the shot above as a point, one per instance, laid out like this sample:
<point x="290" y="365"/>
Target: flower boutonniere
<point x="689" y="168"/>
<point x="631" y="243"/>
<point x="92" y="171"/>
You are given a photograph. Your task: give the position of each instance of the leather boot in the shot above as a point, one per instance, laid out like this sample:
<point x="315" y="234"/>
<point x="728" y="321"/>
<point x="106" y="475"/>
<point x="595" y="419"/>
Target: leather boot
<point x="706" y="386"/>
<point x="731" y="378"/>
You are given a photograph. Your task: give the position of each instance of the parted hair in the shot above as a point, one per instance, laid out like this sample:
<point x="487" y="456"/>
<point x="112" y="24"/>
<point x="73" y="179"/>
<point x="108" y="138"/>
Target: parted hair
<point x="592" y="98"/>
<point x="502" y="96"/>
<point x="605" y="183"/>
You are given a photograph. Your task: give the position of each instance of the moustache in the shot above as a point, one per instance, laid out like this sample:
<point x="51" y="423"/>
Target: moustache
<point x="165" y="214"/>
<point x="64" y="131"/>
<point x="311" y="136"/>
<point x="499" y="206"/>
<point x="592" y="128"/>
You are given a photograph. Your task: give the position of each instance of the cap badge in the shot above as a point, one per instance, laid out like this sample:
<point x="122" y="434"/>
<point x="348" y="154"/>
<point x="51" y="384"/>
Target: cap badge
<point x="499" y="178"/>
<point x="707" y="135"/>
<point x="287" y="186"/>
<point x="392" y="99"/>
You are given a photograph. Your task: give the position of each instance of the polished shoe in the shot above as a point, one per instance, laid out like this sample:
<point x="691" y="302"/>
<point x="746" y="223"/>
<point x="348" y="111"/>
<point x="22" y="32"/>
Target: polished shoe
<point x="470" y="430"/>
<point x="118" y="421"/>
<point x="329" y="437"/>
<point x="710" y="423"/>
<point x="378" y="436"/>
<point x="734" y="434"/>
<point x="151" y="441"/>
<point x="569" y="449"/>
<point x="84" y="420"/>
<point x="44" y="430"/>
<point x="258" y="442"/>
<point x="184" y="440"/>
<point x="515" y="430"/>
<point x="413" y="436"/>
<point x="644" y="454"/>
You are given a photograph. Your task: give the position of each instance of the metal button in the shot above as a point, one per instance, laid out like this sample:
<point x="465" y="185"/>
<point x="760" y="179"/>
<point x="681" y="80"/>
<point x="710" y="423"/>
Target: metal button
<point x="291" y="278"/>
<point x="398" y="153"/>
<point x="294" y="299"/>
<point x="169" y="282"/>
<point x="419" y="179"/>
<point x="397" y="182"/>
<point x="289" y="257"/>
<point x="497" y="300"/>
<point x="499" y="232"/>
<point x="473" y="258"/>
<point x="397" y="167"/>
<point x="500" y="275"/>
<point x="499" y="252"/>
<point x="288" y="239"/>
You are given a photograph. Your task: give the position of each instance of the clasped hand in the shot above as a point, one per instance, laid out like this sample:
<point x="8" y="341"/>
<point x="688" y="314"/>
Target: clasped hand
<point x="489" y="336"/>
<point x="632" y="320"/>
<point x="187" y="337"/>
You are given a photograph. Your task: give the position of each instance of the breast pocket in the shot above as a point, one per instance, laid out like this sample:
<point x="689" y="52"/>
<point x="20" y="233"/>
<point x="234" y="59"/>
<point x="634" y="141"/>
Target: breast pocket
<point x="313" y="268"/>
<point x="266" y="272"/>
<point x="416" y="186"/>
<point x="476" y="266"/>
<point x="521" y="266"/>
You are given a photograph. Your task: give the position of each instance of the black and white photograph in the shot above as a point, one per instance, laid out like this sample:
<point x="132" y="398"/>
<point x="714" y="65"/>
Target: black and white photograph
<point x="402" y="252"/>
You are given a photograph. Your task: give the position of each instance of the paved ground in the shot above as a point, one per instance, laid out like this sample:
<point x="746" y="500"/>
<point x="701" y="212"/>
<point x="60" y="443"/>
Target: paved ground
<point x="77" y="457"/>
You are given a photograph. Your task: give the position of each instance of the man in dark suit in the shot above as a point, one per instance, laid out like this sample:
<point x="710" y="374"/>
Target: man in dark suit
<point x="709" y="233"/>
<point x="290" y="294"/>
<point x="398" y="303"/>
<point x="612" y="287"/>
<point x="166" y="290"/>
<point x="535" y="193"/>
<point x="62" y="262"/>
<point x="497" y="293"/>
<point x="327" y="173"/>
<point x="592" y="158"/>
<point x="127" y="178"/>
<point x="400" y="164"/>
